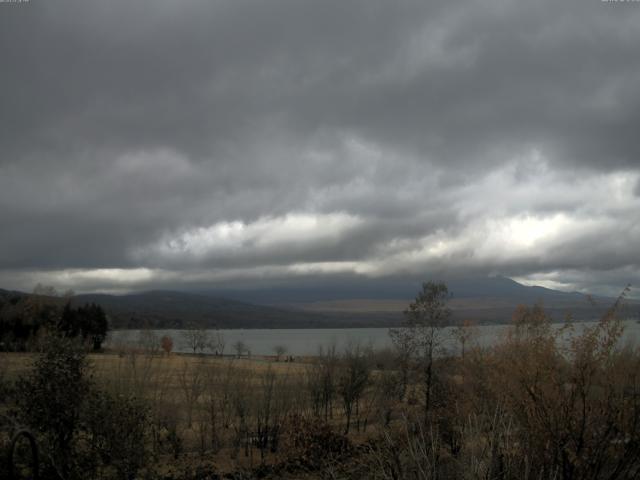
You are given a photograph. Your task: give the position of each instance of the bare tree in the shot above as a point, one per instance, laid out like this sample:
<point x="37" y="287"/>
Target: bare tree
<point x="421" y="331"/>
<point x="148" y="341"/>
<point x="352" y="381"/>
<point x="135" y="371"/>
<point x="217" y="343"/>
<point x="321" y="382"/>
<point x="197" y="339"/>
<point x="45" y="290"/>
<point x="264" y="414"/>
<point x="463" y="333"/>
<point x="279" y="350"/>
<point x="405" y="351"/>
<point x="68" y="294"/>
<point x="241" y="404"/>
<point x="387" y="392"/>
<point x="240" y="348"/>
<point x="218" y="382"/>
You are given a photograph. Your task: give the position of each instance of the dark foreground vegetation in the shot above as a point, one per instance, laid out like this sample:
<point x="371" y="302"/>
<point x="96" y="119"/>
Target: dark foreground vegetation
<point x="25" y="318"/>
<point x="543" y="403"/>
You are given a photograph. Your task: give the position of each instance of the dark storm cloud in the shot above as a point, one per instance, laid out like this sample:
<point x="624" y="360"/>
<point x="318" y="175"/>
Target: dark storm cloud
<point x="200" y="141"/>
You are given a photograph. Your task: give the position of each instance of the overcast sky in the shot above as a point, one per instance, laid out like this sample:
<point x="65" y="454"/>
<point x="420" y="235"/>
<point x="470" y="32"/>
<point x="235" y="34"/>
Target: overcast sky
<point x="161" y="144"/>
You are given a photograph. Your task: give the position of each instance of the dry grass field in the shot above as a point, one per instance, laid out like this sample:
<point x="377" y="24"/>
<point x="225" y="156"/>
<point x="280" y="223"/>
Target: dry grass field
<point x="206" y="410"/>
<point x="226" y="413"/>
<point x="360" y="414"/>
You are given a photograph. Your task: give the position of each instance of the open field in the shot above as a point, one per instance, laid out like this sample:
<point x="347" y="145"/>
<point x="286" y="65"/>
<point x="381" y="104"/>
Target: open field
<point x="111" y="366"/>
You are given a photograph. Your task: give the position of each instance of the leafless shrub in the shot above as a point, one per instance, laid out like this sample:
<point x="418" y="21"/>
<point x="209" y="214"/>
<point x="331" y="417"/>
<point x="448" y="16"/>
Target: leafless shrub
<point x="577" y="407"/>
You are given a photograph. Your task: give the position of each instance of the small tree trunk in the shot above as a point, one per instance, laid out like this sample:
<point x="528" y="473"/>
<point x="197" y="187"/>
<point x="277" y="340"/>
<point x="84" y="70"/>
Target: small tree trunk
<point x="348" y="412"/>
<point x="428" y="381"/>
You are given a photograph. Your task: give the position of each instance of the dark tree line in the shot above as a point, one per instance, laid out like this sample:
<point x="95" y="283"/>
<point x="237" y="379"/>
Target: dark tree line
<point x="88" y="321"/>
<point x="22" y="318"/>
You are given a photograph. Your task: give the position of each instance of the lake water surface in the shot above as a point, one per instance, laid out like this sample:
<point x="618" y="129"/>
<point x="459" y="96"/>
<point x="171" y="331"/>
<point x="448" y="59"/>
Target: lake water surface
<point x="299" y="341"/>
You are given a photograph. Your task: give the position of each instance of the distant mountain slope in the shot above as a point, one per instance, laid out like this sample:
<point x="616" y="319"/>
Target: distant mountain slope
<point x="484" y="300"/>
<point x="10" y="293"/>
<point x="385" y="289"/>
<point x="503" y="287"/>
<point x="171" y="309"/>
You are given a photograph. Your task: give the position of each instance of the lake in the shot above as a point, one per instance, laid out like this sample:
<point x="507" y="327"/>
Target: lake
<point x="308" y="341"/>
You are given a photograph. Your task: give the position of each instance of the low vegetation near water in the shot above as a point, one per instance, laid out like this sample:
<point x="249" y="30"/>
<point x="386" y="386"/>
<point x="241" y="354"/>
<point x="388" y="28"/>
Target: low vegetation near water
<point x="529" y="407"/>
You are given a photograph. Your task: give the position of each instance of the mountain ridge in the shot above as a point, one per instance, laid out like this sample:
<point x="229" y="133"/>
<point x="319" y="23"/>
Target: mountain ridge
<point x="484" y="300"/>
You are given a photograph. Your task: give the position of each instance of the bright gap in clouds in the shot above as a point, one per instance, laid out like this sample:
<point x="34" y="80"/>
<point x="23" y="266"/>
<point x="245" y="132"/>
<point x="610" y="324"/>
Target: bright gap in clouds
<point x="527" y="231"/>
<point x="522" y="234"/>
<point x="263" y="234"/>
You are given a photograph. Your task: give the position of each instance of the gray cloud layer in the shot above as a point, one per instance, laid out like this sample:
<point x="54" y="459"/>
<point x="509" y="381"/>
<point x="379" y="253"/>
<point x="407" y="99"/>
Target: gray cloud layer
<point x="187" y="143"/>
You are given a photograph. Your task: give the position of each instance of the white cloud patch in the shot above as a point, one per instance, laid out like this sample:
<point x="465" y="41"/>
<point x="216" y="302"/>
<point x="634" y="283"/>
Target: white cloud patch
<point x="108" y="280"/>
<point x="298" y="231"/>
